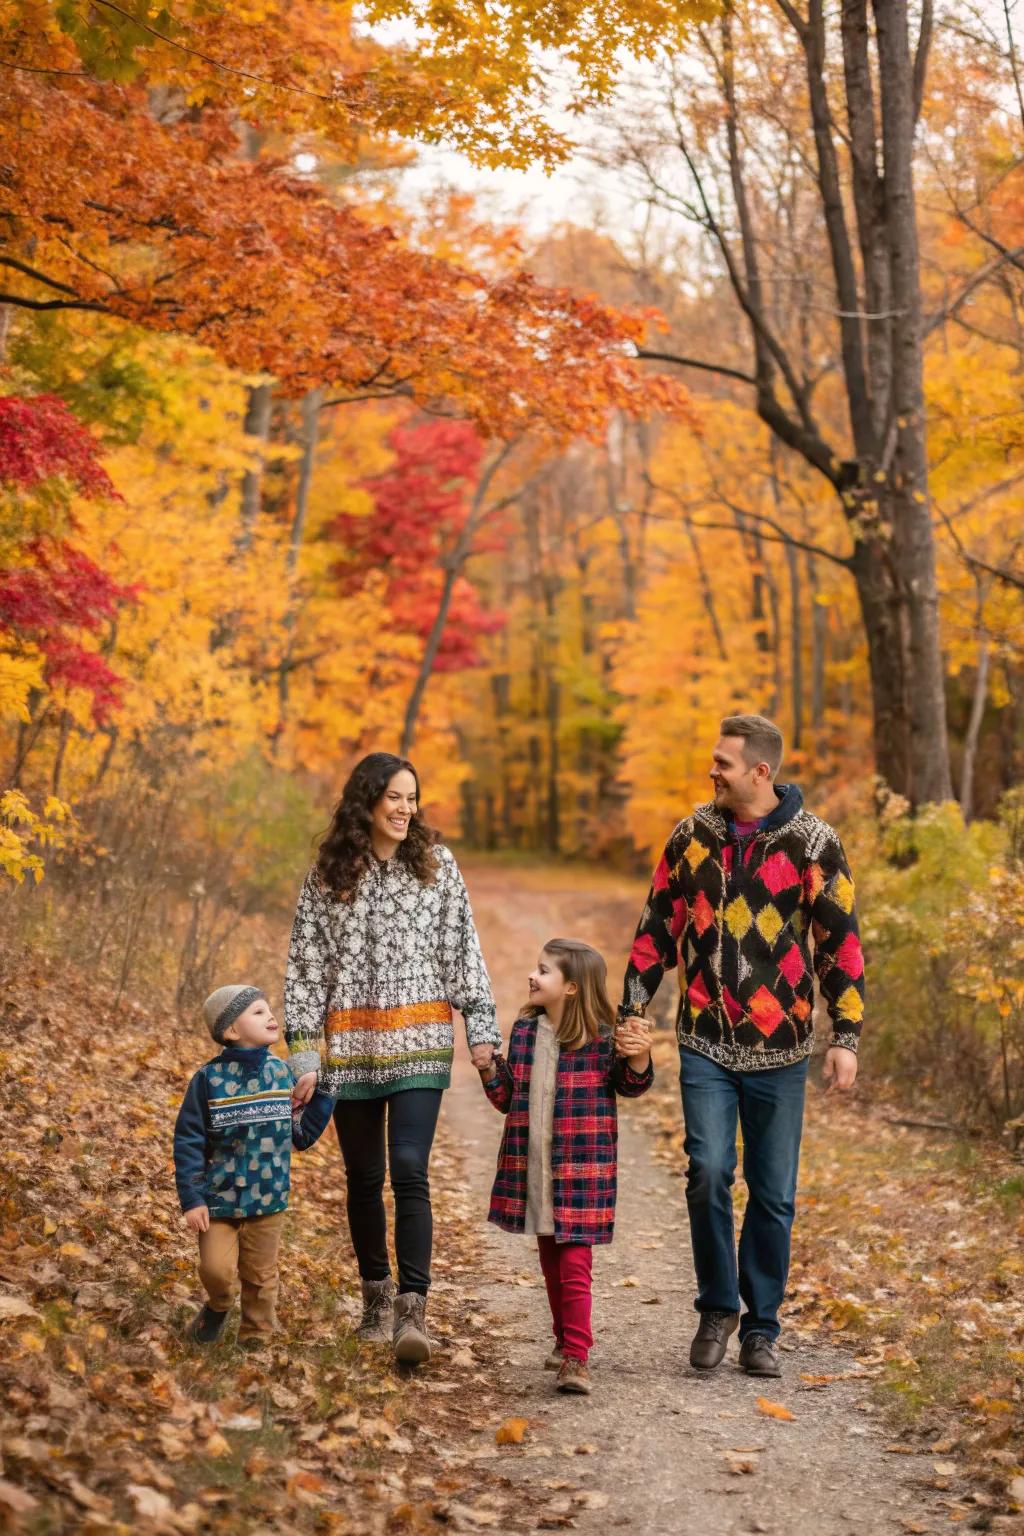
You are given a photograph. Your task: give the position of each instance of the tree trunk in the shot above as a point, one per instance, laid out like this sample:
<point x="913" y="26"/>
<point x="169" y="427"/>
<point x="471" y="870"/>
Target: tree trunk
<point x="819" y="632"/>
<point x="974" y="727"/>
<point x="257" y="425"/>
<point x="882" y="613"/>
<point x="453" y="565"/>
<point x="310" y="436"/>
<point x="796" y="649"/>
<point x="929" y="776"/>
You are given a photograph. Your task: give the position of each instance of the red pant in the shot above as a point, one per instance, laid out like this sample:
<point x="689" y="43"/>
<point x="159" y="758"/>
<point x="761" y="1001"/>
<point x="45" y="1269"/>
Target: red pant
<point x="567" y="1269"/>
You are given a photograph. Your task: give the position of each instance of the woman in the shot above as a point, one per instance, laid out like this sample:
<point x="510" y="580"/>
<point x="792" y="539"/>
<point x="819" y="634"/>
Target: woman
<point x="383" y="947"/>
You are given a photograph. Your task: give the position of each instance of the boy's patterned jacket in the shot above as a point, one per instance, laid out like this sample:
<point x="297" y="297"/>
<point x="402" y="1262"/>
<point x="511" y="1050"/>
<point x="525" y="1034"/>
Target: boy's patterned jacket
<point x="234" y="1134"/>
<point x="737" y="917"/>
<point x="584" y="1134"/>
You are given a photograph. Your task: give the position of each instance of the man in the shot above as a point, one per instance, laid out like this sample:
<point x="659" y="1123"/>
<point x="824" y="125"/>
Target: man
<point x="743" y="885"/>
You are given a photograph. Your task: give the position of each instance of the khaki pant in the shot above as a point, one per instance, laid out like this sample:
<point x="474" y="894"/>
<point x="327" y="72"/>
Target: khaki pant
<point x="246" y="1250"/>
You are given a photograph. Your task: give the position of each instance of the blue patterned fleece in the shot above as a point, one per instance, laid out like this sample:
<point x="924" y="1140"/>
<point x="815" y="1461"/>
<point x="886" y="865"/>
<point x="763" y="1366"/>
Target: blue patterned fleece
<point x="234" y="1134"/>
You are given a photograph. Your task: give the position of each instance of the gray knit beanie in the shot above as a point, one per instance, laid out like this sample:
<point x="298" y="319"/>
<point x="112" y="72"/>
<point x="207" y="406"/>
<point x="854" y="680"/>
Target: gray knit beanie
<point x="227" y="1004"/>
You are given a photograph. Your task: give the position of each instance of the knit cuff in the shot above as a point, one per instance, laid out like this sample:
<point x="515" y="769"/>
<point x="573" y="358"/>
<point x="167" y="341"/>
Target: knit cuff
<point x="634" y="1077"/>
<point x="482" y="1027"/>
<point x="846" y="1038"/>
<point x="302" y="1062"/>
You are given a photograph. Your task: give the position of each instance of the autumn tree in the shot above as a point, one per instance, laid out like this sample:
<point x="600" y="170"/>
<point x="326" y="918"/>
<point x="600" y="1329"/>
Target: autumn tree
<point x="813" y="226"/>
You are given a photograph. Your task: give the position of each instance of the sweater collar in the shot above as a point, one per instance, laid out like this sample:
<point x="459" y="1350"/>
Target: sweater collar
<point x="246" y="1055"/>
<point x="791" y="803"/>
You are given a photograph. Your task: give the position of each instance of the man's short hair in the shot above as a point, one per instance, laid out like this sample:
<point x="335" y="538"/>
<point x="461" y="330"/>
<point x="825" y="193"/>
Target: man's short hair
<point x="762" y="740"/>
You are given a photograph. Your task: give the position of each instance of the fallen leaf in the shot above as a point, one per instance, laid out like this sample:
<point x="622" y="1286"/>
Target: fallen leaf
<point x="216" y="1445"/>
<point x="77" y="1252"/>
<point x="945" y="1468"/>
<point x="244" y="1422"/>
<point x="774" y="1410"/>
<point x="476" y="1516"/>
<point x="511" y="1432"/>
<point x="15" y="1306"/>
<point x="15" y="1499"/>
<point x="591" y="1499"/>
<point x="149" y="1504"/>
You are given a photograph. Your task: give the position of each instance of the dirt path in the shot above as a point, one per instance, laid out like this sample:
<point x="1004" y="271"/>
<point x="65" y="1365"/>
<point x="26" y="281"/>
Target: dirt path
<point x="658" y="1448"/>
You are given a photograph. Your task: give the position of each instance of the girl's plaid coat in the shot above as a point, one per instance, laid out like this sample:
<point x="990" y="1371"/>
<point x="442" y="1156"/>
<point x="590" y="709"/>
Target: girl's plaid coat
<point x="584" y="1134"/>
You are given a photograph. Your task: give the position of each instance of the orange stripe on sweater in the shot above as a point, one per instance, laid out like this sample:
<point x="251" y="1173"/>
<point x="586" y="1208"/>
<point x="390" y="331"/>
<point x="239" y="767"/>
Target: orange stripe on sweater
<point x="407" y="1017"/>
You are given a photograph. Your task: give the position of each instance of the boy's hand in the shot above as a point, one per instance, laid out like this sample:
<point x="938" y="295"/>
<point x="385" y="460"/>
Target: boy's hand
<point x="304" y="1090"/>
<point x="198" y="1218"/>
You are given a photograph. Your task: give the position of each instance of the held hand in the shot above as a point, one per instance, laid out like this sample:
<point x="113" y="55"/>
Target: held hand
<point x="840" y="1071"/>
<point x="198" y="1218"/>
<point x="632" y="1037"/>
<point x="303" y="1090"/>
<point x="481" y="1056"/>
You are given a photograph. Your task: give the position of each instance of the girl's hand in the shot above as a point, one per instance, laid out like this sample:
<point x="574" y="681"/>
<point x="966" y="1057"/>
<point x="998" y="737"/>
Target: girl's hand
<point x="632" y="1036"/>
<point x="633" y="1041"/>
<point x="198" y="1218"/>
<point x="303" y="1090"/>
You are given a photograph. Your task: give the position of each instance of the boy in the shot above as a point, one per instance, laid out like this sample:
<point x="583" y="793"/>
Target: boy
<point x="232" y="1154"/>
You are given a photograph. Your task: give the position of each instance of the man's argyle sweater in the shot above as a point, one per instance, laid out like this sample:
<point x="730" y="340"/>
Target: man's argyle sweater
<point x="737" y="918"/>
<point x="584" y="1134"/>
<point x="235" y="1132"/>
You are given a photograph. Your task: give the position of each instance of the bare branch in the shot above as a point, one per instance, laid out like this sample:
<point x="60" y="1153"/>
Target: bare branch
<point x="924" y="38"/>
<point x="696" y="362"/>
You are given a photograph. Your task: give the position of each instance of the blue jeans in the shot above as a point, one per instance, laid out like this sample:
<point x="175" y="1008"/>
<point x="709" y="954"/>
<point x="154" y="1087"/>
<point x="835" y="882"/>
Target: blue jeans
<point x="769" y="1107"/>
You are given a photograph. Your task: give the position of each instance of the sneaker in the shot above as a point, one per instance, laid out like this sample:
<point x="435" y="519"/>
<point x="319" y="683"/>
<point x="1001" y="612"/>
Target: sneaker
<point x="573" y="1376"/>
<point x="712" y="1338"/>
<point x="554" y="1360"/>
<point x="759" y="1355"/>
<point x="207" y="1326"/>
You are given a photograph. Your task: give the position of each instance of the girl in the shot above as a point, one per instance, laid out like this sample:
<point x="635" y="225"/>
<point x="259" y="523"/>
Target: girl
<point x="556" y="1164"/>
<point x="383" y="947"/>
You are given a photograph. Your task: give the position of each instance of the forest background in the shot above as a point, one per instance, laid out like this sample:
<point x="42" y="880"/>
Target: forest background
<point x="303" y="453"/>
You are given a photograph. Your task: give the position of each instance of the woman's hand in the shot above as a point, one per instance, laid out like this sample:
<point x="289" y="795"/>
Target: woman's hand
<point x="482" y="1057"/>
<point x="304" y="1090"/>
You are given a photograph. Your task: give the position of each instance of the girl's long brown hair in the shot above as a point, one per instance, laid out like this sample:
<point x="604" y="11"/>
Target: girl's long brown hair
<point x="346" y="852"/>
<point x="587" y="1013"/>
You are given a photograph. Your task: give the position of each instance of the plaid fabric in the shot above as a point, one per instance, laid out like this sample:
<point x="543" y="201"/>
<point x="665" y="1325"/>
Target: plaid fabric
<point x="737" y="918"/>
<point x="583" y="1141"/>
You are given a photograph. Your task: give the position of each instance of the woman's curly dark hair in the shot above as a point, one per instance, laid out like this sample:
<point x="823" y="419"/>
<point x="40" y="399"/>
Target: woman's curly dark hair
<point x="346" y="853"/>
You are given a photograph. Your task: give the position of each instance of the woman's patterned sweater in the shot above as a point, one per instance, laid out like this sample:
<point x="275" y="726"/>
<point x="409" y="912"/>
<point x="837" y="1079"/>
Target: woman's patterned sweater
<point x="371" y="983"/>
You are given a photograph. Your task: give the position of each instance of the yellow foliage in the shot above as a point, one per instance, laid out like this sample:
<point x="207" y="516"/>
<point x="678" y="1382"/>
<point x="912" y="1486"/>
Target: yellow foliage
<point x="24" y="831"/>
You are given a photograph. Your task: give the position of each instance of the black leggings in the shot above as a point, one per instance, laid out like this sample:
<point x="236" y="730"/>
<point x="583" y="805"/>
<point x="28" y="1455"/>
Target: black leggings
<point x="411" y="1121"/>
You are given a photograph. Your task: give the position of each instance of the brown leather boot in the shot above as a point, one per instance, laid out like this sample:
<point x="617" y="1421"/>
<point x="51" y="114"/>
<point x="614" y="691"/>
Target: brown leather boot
<point x="573" y="1376"/>
<point x="377" y="1321"/>
<point x="554" y="1360"/>
<point x="759" y="1356"/>
<point x="712" y="1339"/>
<point x="412" y="1342"/>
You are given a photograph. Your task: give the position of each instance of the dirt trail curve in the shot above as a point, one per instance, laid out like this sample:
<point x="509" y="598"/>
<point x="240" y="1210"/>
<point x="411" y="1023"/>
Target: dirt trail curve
<point x="657" y="1448"/>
